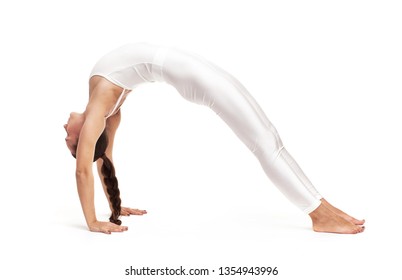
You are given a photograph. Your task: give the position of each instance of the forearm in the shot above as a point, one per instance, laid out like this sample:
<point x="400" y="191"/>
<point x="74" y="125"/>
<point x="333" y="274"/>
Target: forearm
<point x="85" y="187"/>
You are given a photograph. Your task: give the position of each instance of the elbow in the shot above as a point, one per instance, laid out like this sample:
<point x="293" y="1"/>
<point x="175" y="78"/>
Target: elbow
<point x="81" y="173"/>
<point x="83" y="177"/>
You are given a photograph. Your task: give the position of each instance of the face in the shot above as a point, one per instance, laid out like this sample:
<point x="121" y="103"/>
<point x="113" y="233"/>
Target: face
<point x="73" y="128"/>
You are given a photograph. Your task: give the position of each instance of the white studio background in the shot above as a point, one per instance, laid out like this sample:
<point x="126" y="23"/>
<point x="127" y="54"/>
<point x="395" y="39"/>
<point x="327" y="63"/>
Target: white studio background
<point x="328" y="75"/>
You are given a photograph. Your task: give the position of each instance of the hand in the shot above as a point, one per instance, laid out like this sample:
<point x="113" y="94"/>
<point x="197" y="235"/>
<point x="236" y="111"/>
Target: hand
<point x="106" y="227"/>
<point x="125" y="211"/>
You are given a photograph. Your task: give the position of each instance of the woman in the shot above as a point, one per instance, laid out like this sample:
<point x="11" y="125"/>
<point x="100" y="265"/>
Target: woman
<point x="90" y="134"/>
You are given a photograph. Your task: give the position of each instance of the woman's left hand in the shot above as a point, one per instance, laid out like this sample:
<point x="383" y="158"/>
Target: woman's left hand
<point x="125" y="211"/>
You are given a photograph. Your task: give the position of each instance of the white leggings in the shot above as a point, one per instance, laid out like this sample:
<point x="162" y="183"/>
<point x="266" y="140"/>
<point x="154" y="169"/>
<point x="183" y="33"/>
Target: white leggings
<point x="202" y="82"/>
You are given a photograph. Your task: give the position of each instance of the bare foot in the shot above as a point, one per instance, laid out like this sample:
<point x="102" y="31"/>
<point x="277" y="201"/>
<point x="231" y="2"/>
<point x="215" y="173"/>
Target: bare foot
<point x="324" y="220"/>
<point x="342" y="214"/>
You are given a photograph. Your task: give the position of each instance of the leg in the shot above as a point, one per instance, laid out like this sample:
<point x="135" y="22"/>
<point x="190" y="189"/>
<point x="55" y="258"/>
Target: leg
<point x="333" y="220"/>
<point x="206" y="84"/>
<point x="286" y="174"/>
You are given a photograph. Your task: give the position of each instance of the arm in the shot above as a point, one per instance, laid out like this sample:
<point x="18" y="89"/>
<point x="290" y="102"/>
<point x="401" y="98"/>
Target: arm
<point x="90" y="132"/>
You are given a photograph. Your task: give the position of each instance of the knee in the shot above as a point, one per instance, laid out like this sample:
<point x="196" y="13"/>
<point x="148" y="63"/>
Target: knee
<point x="267" y="143"/>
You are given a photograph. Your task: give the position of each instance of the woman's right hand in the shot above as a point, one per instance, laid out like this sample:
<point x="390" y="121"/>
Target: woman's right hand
<point x="106" y="227"/>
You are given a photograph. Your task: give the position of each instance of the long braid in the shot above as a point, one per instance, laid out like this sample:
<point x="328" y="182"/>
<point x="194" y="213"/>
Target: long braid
<point x="112" y="187"/>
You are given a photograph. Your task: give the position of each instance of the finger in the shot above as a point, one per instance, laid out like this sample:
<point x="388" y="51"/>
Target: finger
<point x="118" y="229"/>
<point x="108" y="228"/>
<point x="101" y="230"/>
<point x="137" y="212"/>
<point x="124" y="212"/>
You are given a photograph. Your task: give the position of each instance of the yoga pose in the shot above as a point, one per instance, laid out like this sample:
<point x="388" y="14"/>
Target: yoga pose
<point x="90" y="135"/>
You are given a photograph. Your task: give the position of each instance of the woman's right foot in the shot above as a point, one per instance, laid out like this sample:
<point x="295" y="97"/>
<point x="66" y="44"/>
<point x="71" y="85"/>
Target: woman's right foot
<point x="325" y="220"/>
<point x="342" y="214"/>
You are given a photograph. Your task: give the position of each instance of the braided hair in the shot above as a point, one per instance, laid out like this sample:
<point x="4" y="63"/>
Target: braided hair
<point x="109" y="177"/>
<point x="112" y="187"/>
